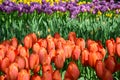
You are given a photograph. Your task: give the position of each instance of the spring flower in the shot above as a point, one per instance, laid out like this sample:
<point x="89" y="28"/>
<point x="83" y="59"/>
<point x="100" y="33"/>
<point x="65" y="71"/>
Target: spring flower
<point x="109" y="15"/>
<point x="99" y="13"/>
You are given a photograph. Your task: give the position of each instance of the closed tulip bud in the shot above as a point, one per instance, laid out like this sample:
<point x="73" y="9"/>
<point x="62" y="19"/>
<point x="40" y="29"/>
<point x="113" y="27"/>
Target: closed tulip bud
<point x="76" y="53"/>
<point x="118" y="49"/>
<point x="27" y="42"/>
<point x="13" y="71"/>
<point x="14" y="42"/>
<point x="50" y="42"/>
<point x="110" y="44"/>
<point x="107" y="75"/>
<point x="33" y="37"/>
<point x="72" y="71"/>
<point x="72" y="36"/>
<point x="11" y="55"/>
<point x="42" y="43"/>
<point x="84" y="57"/>
<point x="57" y="35"/>
<point x="56" y="75"/>
<point x="110" y="64"/>
<point x="47" y="76"/>
<point x="36" y="77"/>
<point x="23" y="75"/>
<point x="33" y="60"/>
<point x="36" y="48"/>
<point x="117" y="40"/>
<point x="100" y="69"/>
<point x="46" y="68"/>
<point x="4" y="64"/>
<point x="81" y="43"/>
<point x="42" y="54"/>
<point x="21" y="62"/>
<point x="92" y="58"/>
<point x="24" y="52"/>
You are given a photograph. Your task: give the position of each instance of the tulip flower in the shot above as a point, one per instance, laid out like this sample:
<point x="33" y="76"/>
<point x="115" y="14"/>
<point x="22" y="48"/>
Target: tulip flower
<point x="107" y="75"/>
<point x="57" y="35"/>
<point x="72" y="36"/>
<point x="13" y="71"/>
<point x="23" y="75"/>
<point x="21" y="62"/>
<point x="42" y="54"/>
<point x="33" y="37"/>
<point x="76" y="53"/>
<point x="46" y="68"/>
<point x="14" y="42"/>
<point x="118" y="49"/>
<point x="72" y="71"/>
<point x="110" y="44"/>
<point x="33" y="60"/>
<point x="11" y="55"/>
<point x="92" y="58"/>
<point x="24" y="52"/>
<point x="50" y="42"/>
<point x="2" y="77"/>
<point x="56" y="75"/>
<point x="42" y="43"/>
<point x="36" y="48"/>
<point x="81" y="43"/>
<point x="47" y="76"/>
<point x="27" y="42"/>
<point x="59" y="58"/>
<point x="36" y="77"/>
<point x="4" y="64"/>
<point x="100" y="68"/>
<point x="110" y="64"/>
<point x="84" y="57"/>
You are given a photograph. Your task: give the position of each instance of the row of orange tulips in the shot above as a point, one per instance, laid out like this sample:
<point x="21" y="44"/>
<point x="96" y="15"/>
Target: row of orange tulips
<point x="17" y="60"/>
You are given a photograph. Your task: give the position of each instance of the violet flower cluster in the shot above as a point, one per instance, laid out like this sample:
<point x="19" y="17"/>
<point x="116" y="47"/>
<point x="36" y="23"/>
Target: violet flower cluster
<point x="72" y="7"/>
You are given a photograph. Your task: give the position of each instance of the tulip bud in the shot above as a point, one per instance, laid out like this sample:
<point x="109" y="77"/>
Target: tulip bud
<point x="72" y="71"/>
<point x="36" y="77"/>
<point x="23" y="75"/>
<point x="100" y="68"/>
<point x="76" y="53"/>
<point x="56" y="75"/>
<point x="13" y="71"/>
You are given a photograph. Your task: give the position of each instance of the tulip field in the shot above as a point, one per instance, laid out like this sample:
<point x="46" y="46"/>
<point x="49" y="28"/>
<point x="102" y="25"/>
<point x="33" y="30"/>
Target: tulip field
<point x="59" y="40"/>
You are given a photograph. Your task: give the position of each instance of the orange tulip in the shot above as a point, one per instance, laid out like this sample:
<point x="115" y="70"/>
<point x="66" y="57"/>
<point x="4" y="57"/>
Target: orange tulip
<point x="33" y="61"/>
<point x="81" y="43"/>
<point x="21" y="62"/>
<point x="36" y="77"/>
<point x="33" y="37"/>
<point x="93" y="47"/>
<point x="42" y="54"/>
<point x="57" y="35"/>
<point x="11" y="55"/>
<point x="46" y="60"/>
<point x="84" y="57"/>
<point x="23" y="75"/>
<point x="24" y="52"/>
<point x="92" y="58"/>
<point x="72" y="71"/>
<point x="27" y="42"/>
<point x="46" y="68"/>
<point x="52" y="54"/>
<point x="110" y="64"/>
<point x="2" y="53"/>
<point x="67" y="50"/>
<point x="13" y="71"/>
<point x="56" y="75"/>
<point x="50" y="42"/>
<point x="100" y="69"/>
<point x="36" y="48"/>
<point x="76" y="53"/>
<point x="4" y="64"/>
<point x="14" y="42"/>
<point x="59" y="58"/>
<point x="72" y="36"/>
<point x="118" y="49"/>
<point x="42" y="43"/>
<point x="107" y="75"/>
<point x="117" y="40"/>
<point x="110" y="44"/>
<point x="47" y="76"/>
